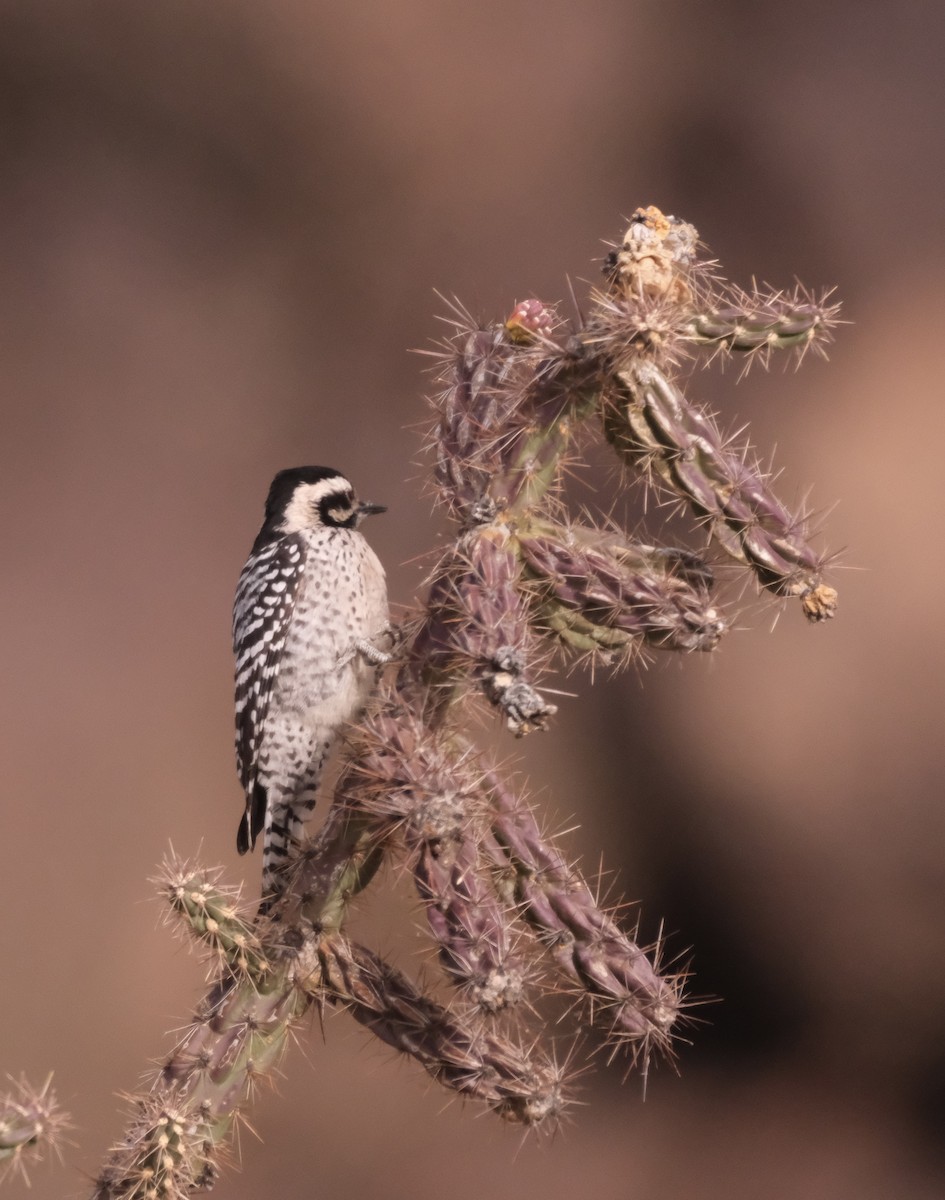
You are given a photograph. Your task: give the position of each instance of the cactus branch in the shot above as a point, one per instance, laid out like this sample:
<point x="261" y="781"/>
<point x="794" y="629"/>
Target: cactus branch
<point x="637" y="1005"/>
<point x="31" y="1125"/>
<point x="517" y="1085"/>
<point x="651" y="423"/>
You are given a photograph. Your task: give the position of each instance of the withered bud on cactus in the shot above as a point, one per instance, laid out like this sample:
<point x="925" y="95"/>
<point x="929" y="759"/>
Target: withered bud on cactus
<point x="653" y="258"/>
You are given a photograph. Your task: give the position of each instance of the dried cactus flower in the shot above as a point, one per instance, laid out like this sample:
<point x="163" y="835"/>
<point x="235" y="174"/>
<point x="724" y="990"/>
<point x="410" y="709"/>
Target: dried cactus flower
<point x="520" y="581"/>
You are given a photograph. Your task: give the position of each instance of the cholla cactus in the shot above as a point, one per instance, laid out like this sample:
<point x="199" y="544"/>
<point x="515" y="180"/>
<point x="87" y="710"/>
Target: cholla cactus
<point x="520" y="582"/>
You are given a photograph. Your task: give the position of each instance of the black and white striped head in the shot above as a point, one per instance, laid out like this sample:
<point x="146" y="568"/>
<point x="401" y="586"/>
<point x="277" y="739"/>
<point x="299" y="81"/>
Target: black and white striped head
<point x="302" y="498"/>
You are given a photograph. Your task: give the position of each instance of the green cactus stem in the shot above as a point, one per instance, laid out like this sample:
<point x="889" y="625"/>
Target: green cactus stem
<point x="753" y="323"/>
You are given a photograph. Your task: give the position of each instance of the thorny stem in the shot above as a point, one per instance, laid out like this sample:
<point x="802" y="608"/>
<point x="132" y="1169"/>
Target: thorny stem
<point x="463" y="1057"/>
<point x="639" y="1006"/>
<point x="652" y="424"/>
<point x="31" y="1124"/>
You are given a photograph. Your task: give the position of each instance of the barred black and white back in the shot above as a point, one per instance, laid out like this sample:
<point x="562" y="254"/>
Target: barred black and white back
<point x="309" y="622"/>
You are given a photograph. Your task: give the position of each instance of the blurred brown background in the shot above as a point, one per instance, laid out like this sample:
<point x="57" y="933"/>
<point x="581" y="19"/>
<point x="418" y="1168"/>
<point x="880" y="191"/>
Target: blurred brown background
<point x="220" y="231"/>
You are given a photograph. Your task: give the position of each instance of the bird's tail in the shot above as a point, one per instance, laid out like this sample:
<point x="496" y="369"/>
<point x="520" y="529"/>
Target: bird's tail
<point x="254" y="818"/>
<point x="283" y="830"/>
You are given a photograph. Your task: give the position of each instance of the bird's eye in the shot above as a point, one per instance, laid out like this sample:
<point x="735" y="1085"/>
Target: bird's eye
<point x="338" y="514"/>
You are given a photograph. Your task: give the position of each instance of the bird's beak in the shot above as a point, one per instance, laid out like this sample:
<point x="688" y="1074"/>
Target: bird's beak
<point x="369" y="510"/>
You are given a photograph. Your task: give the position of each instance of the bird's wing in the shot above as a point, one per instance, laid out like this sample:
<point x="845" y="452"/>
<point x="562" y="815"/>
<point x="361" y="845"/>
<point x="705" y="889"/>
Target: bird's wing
<point x="265" y="599"/>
